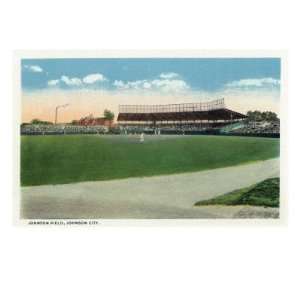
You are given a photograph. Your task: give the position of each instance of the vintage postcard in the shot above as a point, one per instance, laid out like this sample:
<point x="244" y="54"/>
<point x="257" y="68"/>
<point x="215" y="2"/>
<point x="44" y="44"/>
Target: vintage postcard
<point x="157" y="135"/>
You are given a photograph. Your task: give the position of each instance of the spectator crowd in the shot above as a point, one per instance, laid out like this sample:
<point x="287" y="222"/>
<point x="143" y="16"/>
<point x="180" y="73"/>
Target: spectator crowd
<point x="39" y="129"/>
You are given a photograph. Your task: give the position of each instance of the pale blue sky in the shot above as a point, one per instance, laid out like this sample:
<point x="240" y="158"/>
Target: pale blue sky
<point x="162" y="74"/>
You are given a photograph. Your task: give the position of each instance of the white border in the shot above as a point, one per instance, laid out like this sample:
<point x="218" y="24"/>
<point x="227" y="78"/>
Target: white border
<point x="34" y="54"/>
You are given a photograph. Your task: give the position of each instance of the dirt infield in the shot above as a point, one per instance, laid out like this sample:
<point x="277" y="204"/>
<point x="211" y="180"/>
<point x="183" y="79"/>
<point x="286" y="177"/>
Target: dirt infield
<point x="163" y="197"/>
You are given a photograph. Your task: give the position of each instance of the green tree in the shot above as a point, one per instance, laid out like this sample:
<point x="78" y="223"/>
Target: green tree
<point x="108" y="115"/>
<point x="261" y="116"/>
<point x="40" y="122"/>
<point x="271" y="116"/>
<point x="36" y="121"/>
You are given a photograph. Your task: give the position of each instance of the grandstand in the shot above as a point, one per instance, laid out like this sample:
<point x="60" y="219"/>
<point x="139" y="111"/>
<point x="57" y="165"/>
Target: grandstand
<point x="211" y="114"/>
<point x="188" y="118"/>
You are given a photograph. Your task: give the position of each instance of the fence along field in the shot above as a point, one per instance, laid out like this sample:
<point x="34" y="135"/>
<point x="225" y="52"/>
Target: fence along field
<point x="77" y="158"/>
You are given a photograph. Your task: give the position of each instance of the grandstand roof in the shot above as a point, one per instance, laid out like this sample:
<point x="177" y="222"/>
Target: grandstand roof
<point x="213" y="110"/>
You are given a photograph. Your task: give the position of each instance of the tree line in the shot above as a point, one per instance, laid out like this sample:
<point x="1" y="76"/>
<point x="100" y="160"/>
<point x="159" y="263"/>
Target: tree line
<point x="108" y="115"/>
<point x="258" y="116"/>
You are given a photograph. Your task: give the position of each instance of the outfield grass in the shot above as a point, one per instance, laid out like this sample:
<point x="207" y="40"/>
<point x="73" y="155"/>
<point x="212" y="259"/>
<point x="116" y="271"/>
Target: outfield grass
<point x="75" y="158"/>
<point x="265" y="193"/>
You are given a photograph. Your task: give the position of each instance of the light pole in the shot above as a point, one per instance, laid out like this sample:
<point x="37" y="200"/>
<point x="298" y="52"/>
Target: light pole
<point x="56" y="110"/>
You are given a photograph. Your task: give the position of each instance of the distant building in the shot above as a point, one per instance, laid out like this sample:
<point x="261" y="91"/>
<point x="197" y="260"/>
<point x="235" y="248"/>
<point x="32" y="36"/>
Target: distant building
<point x="91" y="121"/>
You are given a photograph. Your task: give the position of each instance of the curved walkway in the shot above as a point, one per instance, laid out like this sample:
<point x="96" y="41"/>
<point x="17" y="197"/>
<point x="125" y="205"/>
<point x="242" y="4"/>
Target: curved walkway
<point x="170" y="196"/>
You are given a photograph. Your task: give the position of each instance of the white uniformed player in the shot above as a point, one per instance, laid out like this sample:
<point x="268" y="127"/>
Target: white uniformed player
<point x="142" y="137"/>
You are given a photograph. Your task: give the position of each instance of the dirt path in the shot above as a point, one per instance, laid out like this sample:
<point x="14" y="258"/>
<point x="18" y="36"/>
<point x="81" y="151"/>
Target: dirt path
<point x="171" y="196"/>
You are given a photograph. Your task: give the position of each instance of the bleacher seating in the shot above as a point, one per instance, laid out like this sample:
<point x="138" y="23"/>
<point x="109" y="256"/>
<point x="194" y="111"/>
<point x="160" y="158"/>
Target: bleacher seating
<point x="232" y="127"/>
<point x="62" y="129"/>
<point x="239" y="128"/>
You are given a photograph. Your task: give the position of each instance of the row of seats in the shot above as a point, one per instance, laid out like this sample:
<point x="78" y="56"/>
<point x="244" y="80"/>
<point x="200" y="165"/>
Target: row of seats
<point x="62" y="129"/>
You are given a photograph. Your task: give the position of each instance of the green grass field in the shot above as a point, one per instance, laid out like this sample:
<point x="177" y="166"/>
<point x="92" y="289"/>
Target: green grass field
<point x="265" y="193"/>
<point x="76" y="158"/>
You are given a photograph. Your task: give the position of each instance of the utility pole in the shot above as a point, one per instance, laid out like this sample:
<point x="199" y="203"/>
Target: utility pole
<point x="56" y="111"/>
